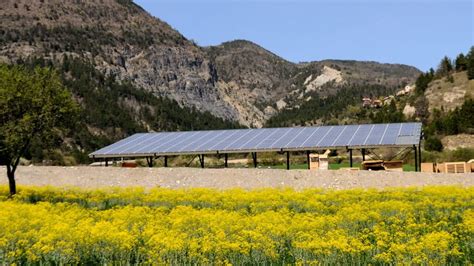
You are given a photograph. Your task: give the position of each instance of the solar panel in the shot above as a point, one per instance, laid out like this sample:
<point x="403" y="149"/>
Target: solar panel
<point x="345" y="136"/>
<point x="300" y="137"/>
<point x="360" y="135"/>
<point x="265" y="139"/>
<point x="375" y="135"/>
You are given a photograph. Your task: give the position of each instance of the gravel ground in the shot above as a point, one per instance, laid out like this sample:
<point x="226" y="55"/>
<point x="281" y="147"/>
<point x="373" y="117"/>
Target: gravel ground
<point x="96" y="177"/>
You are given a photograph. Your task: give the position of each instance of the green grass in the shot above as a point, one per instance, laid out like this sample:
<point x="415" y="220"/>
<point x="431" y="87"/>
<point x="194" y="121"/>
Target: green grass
<point x="333" y="166"/>
<point x="408" y="168"/>
<point x="292" y="166"/>
<point x="295" y="166"/>
<point x="337" y="166"/>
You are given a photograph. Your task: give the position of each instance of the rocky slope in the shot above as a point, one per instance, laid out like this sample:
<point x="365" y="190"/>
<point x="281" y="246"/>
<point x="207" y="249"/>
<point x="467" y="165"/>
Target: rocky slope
<point x="446" y="95"/>
<point x="442" y="93"/>
<point x="120" y="39"/>
<point x="252" y="79"/>
<point x="237" y="80"/>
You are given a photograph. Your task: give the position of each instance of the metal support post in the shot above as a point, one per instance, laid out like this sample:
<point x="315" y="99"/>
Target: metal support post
<point x="226" y="157"/>
<point x="350" y="157"/>
<point x="416" y="158"/>
<point x="308" y="160"/>
<point x="287" y="160"/>
<point x="201" y="159"/>
<point x="419" y="158"/>
<point x="106" y="162"/>
<point x="363" y="154"/>
<point x="166" y="161"/>
<point x="149" y="160"/>
<point x="254" y="157"/>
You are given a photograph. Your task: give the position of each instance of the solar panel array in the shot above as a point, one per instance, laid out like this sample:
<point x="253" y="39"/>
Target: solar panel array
<point x="264" y="139"/>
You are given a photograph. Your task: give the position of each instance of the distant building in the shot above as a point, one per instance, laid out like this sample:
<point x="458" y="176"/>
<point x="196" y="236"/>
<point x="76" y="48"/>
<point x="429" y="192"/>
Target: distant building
<point x="408" y="89"/>
<point x="388" y="100"/>
<point x="371" y="102"/>
<point x="366" y="102"/>
<point x="376" y="103"/>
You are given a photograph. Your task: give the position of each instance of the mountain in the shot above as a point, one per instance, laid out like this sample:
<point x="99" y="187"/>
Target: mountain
<point x="119" y="39"/>
<point x="150" y="77"/>
<point x="319" y="88"/>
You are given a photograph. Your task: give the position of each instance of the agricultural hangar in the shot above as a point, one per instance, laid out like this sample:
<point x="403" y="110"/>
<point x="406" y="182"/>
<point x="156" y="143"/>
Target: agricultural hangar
<point x="285" y="140"/>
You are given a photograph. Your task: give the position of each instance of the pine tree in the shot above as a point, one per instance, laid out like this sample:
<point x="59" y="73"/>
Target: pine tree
<point x="445" y="67"/>
<point x="422" y="82"/>
<point x="461" y="62"/>
<point x="470" y="63"/>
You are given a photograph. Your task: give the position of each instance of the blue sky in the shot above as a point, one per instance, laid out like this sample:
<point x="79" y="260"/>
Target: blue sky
<point x="417" y="33"/>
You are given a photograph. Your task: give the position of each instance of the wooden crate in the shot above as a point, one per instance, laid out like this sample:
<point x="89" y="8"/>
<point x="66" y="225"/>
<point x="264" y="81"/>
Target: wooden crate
<point x="129" y="164"/>
<point x="456" y="167"/>
<point x="318" y="161"/>
<point x="393" y="166"/>
<point x="471" y="163"/>
<point x="372" y="165"/>
<point x="439" y="168"/>
<point x="323" y="162"/>
<point x="428" y="167"/>
<point x="314" y="162"/>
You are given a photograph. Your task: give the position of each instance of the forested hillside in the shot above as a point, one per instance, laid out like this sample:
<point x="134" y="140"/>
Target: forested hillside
<point x="343" y="107"/>
<point x="448" y="93"/>
<point x="112" y="110"/>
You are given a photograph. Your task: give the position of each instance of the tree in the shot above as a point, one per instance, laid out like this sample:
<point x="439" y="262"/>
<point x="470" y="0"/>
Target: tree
<point x="423" y="81"/>
<point x="445" y="67"/>
<point x="388" y="114"/>
<point x="433" y="143"/>
<point x="34" y="106"/>
<point x="470" y="63"/>
<point x="461" y="62"/>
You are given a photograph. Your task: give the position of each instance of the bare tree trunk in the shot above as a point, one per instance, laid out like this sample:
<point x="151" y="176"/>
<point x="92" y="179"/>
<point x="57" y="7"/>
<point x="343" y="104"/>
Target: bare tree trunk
<point x="11" y="179"/>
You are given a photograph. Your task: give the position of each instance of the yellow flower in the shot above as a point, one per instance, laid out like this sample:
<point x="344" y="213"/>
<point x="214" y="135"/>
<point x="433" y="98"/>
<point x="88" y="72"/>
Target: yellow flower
<point x="265" y="226"/>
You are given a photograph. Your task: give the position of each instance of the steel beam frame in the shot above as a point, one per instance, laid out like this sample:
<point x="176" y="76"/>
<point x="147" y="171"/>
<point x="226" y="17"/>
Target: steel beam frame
<point x="149" y="161"/>
<point x="201" y="160"/>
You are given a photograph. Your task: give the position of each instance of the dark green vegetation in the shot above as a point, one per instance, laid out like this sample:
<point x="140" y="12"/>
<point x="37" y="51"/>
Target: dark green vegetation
<point x="458" y="155"/>
<point x="34" y="106"/>
<point x="460" y="120"/>
<point x="468" y="62"/>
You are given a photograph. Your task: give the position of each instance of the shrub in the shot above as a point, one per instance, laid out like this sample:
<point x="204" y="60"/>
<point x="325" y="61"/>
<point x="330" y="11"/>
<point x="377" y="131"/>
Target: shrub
<point x="463" y="154"/>
<point x="433" y="143"/>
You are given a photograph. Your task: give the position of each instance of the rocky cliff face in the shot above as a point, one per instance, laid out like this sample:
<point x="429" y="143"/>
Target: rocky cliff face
<point x="121" y="40"/>
<point x="252" y="79"/>
<point x="236" y="80"/>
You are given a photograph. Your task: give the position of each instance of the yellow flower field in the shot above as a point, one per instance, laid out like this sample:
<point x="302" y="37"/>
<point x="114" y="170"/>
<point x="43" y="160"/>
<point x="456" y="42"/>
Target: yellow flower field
<point x="432" y="225"/>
